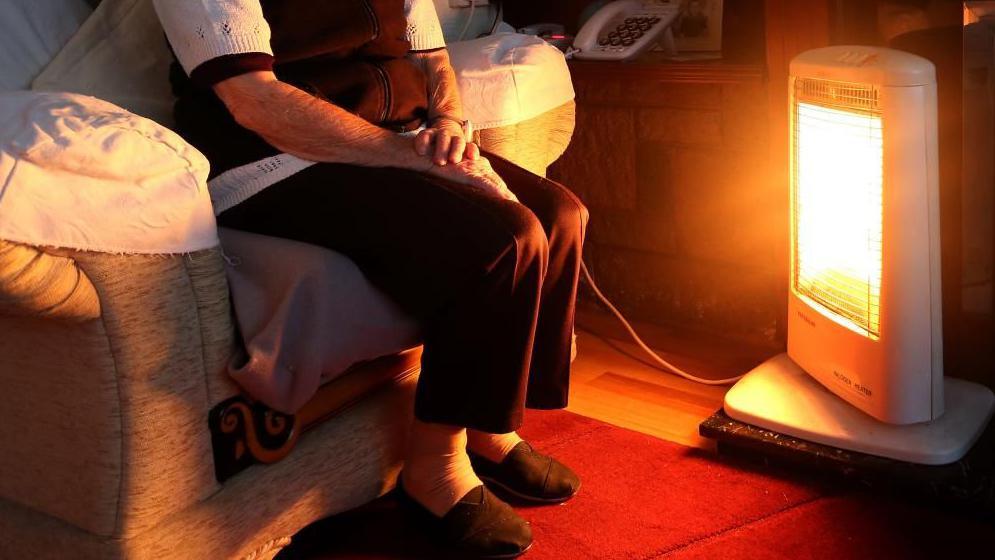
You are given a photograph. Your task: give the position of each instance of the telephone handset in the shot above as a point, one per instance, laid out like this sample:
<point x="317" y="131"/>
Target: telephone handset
<point x="624" y="29"/>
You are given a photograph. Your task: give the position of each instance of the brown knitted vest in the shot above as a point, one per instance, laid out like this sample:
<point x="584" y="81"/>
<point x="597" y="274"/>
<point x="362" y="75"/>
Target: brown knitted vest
<point x="350" y="52"/>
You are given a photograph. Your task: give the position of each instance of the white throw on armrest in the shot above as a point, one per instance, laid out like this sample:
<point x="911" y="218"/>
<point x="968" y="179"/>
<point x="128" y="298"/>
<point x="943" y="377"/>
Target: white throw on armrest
<point x="509" y="78"/>
<point x="80" y="173"/>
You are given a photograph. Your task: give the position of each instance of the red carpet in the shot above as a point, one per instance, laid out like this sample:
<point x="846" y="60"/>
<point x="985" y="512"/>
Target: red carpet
<point x="644" y="498"/>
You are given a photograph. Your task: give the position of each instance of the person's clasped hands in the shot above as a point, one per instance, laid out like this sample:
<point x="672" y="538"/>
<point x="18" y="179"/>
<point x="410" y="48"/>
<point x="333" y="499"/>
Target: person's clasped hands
<point x="457" y="158"/>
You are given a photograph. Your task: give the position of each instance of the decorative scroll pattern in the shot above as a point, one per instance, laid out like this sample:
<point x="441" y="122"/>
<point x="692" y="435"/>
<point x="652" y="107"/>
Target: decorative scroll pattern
<point x="245" y="432"/>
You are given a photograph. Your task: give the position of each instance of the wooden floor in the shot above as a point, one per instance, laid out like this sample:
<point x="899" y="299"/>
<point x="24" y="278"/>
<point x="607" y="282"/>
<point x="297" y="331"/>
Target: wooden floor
<point x="612" y="380"/>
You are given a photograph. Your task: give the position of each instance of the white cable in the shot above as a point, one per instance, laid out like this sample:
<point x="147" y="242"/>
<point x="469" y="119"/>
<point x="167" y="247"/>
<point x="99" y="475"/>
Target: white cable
<point x="663" y="364"/>
<point x="469" y="18"/>
<point x="498" y="18"/>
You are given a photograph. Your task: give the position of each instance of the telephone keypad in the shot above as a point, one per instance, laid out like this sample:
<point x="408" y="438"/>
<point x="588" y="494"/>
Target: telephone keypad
<point x="631" y="27"/>
<point x="627" y="31"/>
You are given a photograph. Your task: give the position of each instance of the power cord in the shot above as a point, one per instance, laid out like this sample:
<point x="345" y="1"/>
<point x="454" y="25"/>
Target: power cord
<point x="662" y="364"/>
<point x="498" y="15"/>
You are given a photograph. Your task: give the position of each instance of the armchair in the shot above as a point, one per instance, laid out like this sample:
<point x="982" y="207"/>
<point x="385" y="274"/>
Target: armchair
<point x="111" y="366"/>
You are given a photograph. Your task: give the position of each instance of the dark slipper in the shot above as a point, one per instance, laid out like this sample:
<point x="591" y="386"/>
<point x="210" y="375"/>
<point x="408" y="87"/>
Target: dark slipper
<point x="480" y="525"/>
<point x="528" y="475"/>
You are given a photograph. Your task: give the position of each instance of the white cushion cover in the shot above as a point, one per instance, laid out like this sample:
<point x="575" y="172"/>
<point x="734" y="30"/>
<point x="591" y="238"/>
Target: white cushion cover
<point x="31" y="33"/>
<point x="507" y="78"/>
<point x="81" y="173"/>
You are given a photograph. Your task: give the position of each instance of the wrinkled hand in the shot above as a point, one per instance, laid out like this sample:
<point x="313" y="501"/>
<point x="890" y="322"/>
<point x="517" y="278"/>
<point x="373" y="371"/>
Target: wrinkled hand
<point x="444" y="143"/>
<point x="476" y="173"/>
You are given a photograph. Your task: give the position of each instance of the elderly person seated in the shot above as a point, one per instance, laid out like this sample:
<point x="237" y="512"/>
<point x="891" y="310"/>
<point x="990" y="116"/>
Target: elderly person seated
<point x="340" y="124"/>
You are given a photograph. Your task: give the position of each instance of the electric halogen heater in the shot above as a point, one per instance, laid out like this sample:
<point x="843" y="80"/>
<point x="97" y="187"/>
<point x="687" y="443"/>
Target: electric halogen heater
<point x="864" y="367"/>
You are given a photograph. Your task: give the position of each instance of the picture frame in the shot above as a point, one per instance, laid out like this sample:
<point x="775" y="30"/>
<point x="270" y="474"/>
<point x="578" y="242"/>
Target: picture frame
<point x="699" y="27"/>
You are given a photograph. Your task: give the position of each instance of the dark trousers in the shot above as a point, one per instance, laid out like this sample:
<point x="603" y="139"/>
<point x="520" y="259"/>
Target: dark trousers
<point x="492" y="282"/>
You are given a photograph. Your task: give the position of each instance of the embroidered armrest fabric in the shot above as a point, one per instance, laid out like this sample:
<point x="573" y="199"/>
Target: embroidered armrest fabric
<point x="108" y="364"/>
<point x="36" y="284"/>
<point x="533" y="143"/>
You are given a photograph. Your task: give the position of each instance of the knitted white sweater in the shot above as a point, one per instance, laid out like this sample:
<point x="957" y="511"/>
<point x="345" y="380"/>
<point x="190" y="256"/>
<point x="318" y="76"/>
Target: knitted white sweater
<point x="201" y="30"/>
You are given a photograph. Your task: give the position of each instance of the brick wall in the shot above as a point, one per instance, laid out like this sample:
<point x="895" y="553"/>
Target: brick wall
<point x="685" y="225"/>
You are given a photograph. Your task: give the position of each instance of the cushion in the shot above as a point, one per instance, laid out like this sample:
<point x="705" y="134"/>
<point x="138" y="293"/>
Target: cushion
<point x="508" y="78"/>
<point x="306" y="314"/>
<point x="120" y="55"/>
<point x="81" y="173"/>
<point x="31" y="33"/>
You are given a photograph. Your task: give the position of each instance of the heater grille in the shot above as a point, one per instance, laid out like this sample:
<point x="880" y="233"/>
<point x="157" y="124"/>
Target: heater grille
<point x="841" y="95"/>
<point x="837" y="201"/>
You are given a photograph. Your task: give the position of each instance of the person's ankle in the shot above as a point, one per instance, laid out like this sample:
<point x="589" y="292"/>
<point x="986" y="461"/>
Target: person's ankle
<point x="493" y="447"/>
<point x="437" y="472"/>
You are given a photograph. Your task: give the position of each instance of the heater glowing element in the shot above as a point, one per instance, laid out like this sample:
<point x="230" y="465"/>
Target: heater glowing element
<point x="837" y="213"/>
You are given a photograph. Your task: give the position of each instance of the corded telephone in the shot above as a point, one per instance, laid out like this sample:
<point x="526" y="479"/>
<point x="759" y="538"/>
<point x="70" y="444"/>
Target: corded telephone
<point x="624" y="29"/>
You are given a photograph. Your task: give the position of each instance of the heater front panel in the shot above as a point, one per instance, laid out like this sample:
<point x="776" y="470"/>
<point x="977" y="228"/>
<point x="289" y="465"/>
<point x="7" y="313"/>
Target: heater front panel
<point x="860" y="314"/>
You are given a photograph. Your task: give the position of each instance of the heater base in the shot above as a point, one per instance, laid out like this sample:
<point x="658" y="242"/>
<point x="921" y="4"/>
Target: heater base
<point x="780" y="396"/>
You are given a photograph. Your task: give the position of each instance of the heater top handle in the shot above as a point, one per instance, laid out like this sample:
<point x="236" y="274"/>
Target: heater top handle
<point x="862" y="64"/>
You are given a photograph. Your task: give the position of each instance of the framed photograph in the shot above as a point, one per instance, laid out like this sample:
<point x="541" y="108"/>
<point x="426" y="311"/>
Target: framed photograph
<point x="699" y="27"/>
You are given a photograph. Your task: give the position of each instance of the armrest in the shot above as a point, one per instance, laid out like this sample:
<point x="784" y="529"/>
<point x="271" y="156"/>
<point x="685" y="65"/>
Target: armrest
<point x="534" y="143"/>
<point x="33" y="283"/>
<point x="517" y="91"/>
<point x="105" y="362"/>
<point x="509" y="78"/>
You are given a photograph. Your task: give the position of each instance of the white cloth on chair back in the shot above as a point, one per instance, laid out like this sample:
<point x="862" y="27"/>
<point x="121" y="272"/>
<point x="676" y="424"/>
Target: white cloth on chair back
<point x="120" y="55"/>
<point x="31" y="33"/>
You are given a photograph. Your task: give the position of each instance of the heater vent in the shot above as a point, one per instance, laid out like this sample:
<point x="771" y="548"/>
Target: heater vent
<point x="842" y="95"/>
<point x="837" y="201"/>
